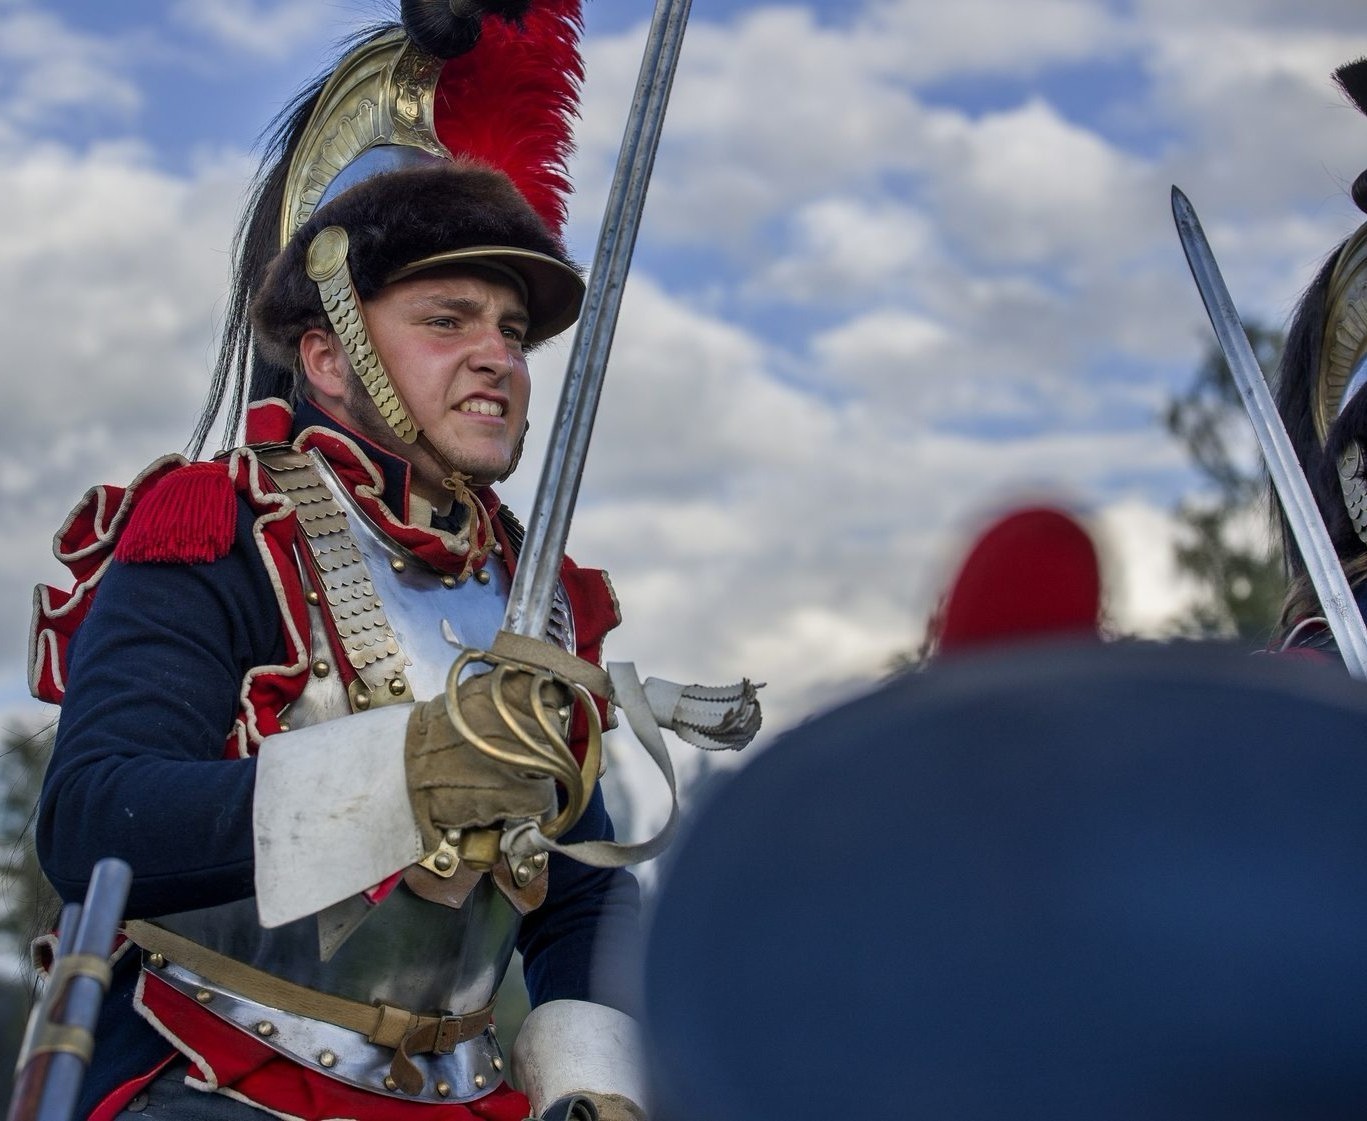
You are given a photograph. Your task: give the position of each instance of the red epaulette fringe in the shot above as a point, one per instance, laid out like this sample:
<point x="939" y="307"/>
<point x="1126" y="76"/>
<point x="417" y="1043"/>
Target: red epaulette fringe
<point x="190" y="517"/>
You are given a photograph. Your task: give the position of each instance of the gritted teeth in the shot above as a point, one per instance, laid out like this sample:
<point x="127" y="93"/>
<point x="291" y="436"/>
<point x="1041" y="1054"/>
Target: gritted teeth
<point x="481" y="406"/>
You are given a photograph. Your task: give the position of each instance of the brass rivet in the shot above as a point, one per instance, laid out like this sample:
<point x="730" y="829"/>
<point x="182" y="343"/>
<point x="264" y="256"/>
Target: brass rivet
<point x="483" y="576"/>
<point x="327" y="1059"/>
<point x="498" y="1063"/>
<point x="312" y="597"/>
<point x="284" y="725"/>
<point x="479" y="1081"/>
<point x="493" y="1028"/>
<point x="449" y="581"/>
<point x="397" y="564"/>
<point x="539" y="860"/>
<point x="564" y="711"/>
<point x="522" y="873"/>
<point x="265" y="1028"/>
<point x="157" y="960"/>
<point x="320" y="668"/>
<point x="444" y="1089"/>
<point x="389" y="1083"/>
<point x="204" y="996"/>
<point x="398" y="686"/>
<point x="498" y="549"/>
<point x="362" y="700"/>
<point x="442" y="861"/>
<point x="453" y="836"/>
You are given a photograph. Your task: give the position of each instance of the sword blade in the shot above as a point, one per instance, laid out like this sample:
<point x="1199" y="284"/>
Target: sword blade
<point x="538" y="566"/>
<point x="1321" y="559"/>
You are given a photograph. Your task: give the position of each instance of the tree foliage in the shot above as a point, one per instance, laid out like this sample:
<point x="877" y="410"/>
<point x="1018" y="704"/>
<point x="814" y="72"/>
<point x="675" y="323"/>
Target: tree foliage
<point x="26" y="900"/>
<point x="25" y="897"/>
<point x="1224" y="546"/>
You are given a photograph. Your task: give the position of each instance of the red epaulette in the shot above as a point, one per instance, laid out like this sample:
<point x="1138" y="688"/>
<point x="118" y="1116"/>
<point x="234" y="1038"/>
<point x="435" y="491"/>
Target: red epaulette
<point x="189" y="517"/>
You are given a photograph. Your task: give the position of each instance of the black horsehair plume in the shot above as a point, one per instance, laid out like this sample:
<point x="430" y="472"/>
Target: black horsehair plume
<point x="1351" y="78"/>
<point x="445" y="28"/>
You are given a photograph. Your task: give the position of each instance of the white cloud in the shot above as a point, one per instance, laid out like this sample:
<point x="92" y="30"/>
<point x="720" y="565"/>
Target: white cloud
<point x="846" y="250"/>
<point x="1027" y="185"/>
<point x="50" y="69"/>
<point x="931" y="41"/>
<point x="1144" y="590"/>
<point x="786" y="453"/>
<point x="255" y="27"/>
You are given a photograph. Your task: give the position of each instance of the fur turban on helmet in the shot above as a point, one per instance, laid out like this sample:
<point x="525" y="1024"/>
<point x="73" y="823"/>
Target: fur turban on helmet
<point x="406" y="221"/>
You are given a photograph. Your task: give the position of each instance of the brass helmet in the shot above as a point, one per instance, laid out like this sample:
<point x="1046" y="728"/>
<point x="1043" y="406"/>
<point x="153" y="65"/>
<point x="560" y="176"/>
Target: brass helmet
<point x="439" y="141"/>
<point x="1342" y="368"/>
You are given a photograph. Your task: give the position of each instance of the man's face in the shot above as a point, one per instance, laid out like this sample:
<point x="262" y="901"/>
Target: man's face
<point x="451" y="341"/>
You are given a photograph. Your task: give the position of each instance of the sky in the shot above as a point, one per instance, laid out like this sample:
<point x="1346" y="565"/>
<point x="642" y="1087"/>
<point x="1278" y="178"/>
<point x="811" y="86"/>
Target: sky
<point x="902" y="266"/>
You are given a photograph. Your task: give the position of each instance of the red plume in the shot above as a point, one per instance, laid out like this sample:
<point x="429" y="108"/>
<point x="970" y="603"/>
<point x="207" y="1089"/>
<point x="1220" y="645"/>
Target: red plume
<point x="511" y="101"/>
<point x="1033" y="574"/>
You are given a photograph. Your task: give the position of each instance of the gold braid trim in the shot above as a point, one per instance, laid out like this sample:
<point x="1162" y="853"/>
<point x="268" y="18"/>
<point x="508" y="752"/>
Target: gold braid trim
<point x="327" y="267"/>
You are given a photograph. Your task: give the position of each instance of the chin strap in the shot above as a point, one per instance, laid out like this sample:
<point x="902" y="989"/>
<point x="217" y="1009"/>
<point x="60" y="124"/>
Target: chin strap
<point x="1354" y="487"/>
<point x="327" y="267"/>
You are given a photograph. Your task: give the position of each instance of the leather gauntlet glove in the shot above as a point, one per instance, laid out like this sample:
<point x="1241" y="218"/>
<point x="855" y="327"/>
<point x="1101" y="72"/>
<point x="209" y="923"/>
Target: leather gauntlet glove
<point x="452" y="784"/>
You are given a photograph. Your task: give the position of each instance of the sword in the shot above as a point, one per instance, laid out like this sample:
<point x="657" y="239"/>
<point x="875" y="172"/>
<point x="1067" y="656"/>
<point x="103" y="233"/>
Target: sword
<point x="543" y="549"/>
<point x="1321" y="560"/>
<point x="548" y="526"/>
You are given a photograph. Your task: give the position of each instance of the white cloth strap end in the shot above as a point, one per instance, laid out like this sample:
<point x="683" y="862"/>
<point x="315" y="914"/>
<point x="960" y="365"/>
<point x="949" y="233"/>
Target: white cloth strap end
<point x="714" y="718"/>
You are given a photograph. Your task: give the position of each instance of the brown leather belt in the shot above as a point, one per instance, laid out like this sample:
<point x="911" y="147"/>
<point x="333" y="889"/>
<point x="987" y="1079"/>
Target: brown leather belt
<point x="406" y="1033"/>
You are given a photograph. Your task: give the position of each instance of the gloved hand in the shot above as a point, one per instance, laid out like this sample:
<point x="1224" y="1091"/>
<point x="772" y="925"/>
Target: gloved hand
<point x="453" y="785"/>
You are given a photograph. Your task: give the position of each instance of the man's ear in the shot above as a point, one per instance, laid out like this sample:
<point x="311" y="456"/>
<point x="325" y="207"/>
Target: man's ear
<point x="324" y="364"/>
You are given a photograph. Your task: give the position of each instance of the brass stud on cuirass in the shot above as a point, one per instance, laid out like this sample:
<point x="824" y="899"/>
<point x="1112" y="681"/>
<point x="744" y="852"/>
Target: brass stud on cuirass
<point x="498" y="1063"/>
<point x="448" y="581"/>
<point x="327" y="1059"/>
<point x="389" y="1083"/>
<point x="483" y="576"/>
<point x="479" y="1081"/>
<point x="265" y="1029"/>
<point x="157" y="961"/>
<point x="312" y="596"/>
<point x="320" y="668"/>
<point x="204" y="996"/>
<point x="397" y="564"/>
<point x="444" y="1089"/>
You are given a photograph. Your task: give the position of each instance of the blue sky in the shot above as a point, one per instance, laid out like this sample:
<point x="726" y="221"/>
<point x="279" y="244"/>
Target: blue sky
<point x="902" y="265"/>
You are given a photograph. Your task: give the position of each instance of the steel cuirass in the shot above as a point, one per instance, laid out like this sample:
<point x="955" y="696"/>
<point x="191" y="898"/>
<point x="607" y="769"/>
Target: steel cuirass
<point x="407" y="952"/>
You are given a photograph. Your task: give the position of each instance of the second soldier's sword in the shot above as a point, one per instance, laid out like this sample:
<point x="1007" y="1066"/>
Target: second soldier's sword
<point x="1302" y="515"/>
